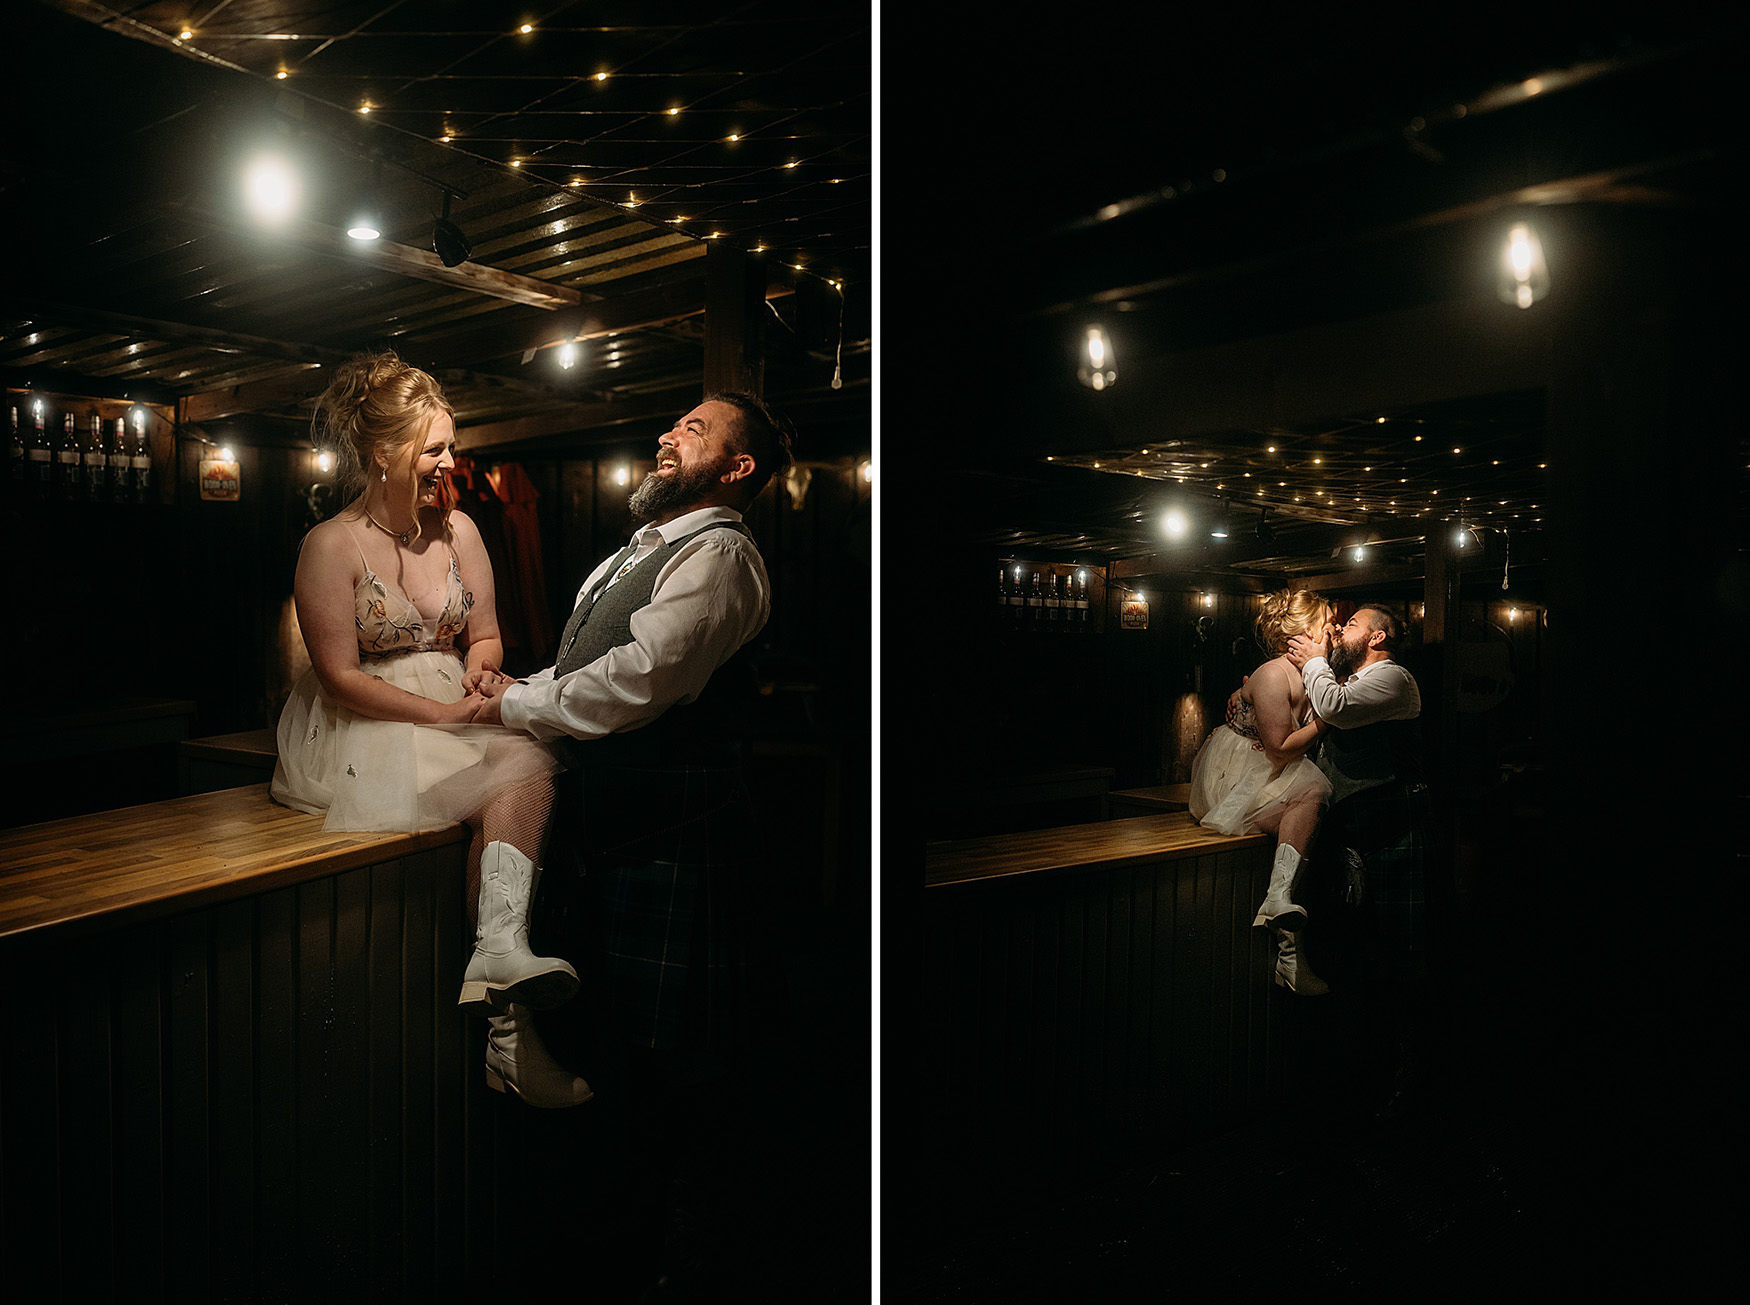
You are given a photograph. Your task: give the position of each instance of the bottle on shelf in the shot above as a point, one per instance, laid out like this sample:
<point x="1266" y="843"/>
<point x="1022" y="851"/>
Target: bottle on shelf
<point x="1082" y="600"/>
<point x="67" y="460"/>
<point x="1017" y="600"/>
<point x="17" y="460"/>
<point x="95" y="465"/>
<point x="1036" y="604"/>
<point x="40" y="454"/>
<point x="119" y="474"/>
<point x="1003" y="590"/>
<point x="1053" y="609"/>
<point x="140" y="461"/>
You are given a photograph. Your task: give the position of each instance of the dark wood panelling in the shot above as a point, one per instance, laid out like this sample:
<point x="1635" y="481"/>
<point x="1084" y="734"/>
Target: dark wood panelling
<point x="261" y="1100"/>
<point x="1118" y="1000"/>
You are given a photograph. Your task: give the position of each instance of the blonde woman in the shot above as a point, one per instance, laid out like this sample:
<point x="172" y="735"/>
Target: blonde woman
<point x="1253" y="775"/>
<point x="395" y="602"/>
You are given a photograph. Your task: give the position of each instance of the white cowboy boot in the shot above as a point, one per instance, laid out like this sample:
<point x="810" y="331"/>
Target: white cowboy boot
<point x="502" y="969"/>
<point x="1277" y="911"/>
<point x="517" y="1062"/>
<point x="1292" y="971"/>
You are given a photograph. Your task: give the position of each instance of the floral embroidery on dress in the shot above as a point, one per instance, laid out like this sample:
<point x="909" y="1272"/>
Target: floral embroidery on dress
<point x="388" y="622"/>
<point x="1241" y="721"/>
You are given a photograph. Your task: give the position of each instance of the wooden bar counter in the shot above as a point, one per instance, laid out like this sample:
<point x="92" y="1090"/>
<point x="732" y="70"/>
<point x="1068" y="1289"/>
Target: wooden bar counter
<point x="238" y="1071"/>
<point x="122" y="867"/>
<point x="1107" y="973"/>
<point x="1097" y="846"/>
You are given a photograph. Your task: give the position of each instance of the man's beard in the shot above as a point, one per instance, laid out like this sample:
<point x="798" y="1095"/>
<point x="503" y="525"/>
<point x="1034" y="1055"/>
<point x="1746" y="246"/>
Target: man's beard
<point x="1343" y="660"/>
<point x="659" y="495"/>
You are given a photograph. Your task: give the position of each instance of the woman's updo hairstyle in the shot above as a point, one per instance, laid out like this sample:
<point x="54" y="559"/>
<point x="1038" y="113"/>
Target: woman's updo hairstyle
<point x="1289" y="612"/>
<point x="376" y="404"/>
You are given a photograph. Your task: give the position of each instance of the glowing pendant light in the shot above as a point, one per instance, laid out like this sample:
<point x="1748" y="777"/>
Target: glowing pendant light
<point x="1099" y="367"/>
<point x="1524" y="277"/>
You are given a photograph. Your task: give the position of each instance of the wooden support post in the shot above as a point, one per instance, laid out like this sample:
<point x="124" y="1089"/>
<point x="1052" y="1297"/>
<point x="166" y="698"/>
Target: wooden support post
<point x="735" y="305"/>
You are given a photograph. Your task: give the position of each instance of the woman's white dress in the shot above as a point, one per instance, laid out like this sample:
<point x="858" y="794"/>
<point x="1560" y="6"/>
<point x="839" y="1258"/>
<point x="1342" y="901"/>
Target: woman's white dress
<point x="395" y="775"/>
<point x="1233" y="782"/>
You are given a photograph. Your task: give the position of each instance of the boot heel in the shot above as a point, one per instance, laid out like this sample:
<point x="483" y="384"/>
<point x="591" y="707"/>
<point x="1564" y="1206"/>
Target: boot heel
<point x="478" y="998"/>
<point x="496" y="1082"/>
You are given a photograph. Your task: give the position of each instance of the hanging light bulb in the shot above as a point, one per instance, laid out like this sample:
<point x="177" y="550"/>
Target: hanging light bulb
<point x="1524" y="276"/>
<point x="1098" y="368"/>
<point x="568" y="355"/>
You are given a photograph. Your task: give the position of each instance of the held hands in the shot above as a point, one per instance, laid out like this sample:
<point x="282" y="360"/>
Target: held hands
<point x="484" y="689"/>
<point x="487" y="679"/>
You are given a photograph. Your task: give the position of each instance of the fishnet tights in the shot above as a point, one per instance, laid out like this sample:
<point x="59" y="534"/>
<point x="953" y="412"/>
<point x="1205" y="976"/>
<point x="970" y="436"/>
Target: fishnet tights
<point x="516" y="815"/>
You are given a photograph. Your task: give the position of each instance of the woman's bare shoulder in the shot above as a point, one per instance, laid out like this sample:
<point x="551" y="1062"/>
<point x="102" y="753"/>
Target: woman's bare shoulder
<point x="1272" y="675"/>
<point x="331" y="543"/>
<point x="462" y="526"/>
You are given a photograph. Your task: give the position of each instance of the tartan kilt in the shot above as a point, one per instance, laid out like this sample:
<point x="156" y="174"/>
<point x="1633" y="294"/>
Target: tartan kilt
<point x="1389" y="826"/>
<point x="663" y="851"/>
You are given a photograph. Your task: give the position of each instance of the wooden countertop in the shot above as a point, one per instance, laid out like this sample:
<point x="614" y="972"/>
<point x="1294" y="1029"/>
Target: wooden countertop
<point x="1099" y="845"/>
<point x="136" y="863"/>
<point x="1159" y="797"/>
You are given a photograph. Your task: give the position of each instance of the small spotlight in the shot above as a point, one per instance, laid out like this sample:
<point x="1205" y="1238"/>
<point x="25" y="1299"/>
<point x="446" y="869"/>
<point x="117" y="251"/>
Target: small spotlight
<point x="1173" y="523"/>
<point x="325" y="462"/>
<point x="622" y="475"/>
<point x="447" y="240"/>
<point x="568" y="355"/>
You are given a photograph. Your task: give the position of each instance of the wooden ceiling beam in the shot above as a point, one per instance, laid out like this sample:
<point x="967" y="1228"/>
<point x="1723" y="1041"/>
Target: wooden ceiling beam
<point x="421" y="264"/>
<point x="288" y="389"/>
<point x="582" y="421"/>
<point x="673" y="301"/>
<point x="110" y="322"/>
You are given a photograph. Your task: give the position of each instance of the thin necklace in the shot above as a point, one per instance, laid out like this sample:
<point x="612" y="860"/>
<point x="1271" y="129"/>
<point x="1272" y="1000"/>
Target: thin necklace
<point x="400" y="535"/>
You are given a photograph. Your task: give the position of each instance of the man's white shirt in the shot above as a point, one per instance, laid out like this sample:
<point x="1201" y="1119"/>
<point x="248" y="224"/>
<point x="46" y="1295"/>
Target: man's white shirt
<point x="1378" y="691"/>
<point x="709" y="599"/>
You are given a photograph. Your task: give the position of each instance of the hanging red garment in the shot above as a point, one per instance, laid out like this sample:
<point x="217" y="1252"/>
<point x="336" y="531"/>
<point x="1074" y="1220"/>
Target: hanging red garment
<point x="472" y="492"/>
<point x="525" y="574"/>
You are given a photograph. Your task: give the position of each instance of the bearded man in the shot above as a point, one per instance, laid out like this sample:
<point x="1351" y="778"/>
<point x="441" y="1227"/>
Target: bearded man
<point x="1372" y="754"/>
<point x="648" y="704"/>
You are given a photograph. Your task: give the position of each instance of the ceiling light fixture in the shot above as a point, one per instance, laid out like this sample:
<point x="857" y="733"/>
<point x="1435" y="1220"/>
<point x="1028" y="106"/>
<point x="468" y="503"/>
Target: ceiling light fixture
<point x="447" y="241"/>
<point x="1098" y="368"/>
<point x="1524" y="277"/>
<point x="270" y="189"/>
<point x="367" y="221"/>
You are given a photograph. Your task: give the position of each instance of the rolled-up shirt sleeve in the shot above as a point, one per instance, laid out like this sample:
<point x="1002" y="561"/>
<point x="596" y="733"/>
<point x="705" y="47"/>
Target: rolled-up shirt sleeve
<point x="709" y="599"/>
<point x="1382" y="691"/>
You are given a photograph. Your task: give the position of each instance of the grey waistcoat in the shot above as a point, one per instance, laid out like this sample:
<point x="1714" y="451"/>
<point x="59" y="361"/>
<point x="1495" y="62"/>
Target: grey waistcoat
<point x="709" y="730"/>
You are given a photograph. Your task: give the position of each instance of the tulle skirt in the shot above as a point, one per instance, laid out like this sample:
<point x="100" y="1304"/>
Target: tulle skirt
<point x="1232" y="783"/>
<point x="394" y="775"/>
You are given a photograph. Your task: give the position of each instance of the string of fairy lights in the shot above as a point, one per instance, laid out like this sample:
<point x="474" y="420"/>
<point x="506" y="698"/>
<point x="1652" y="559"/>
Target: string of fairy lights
<point x="1349" y="476"/>
<point x="707" y="221"/>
